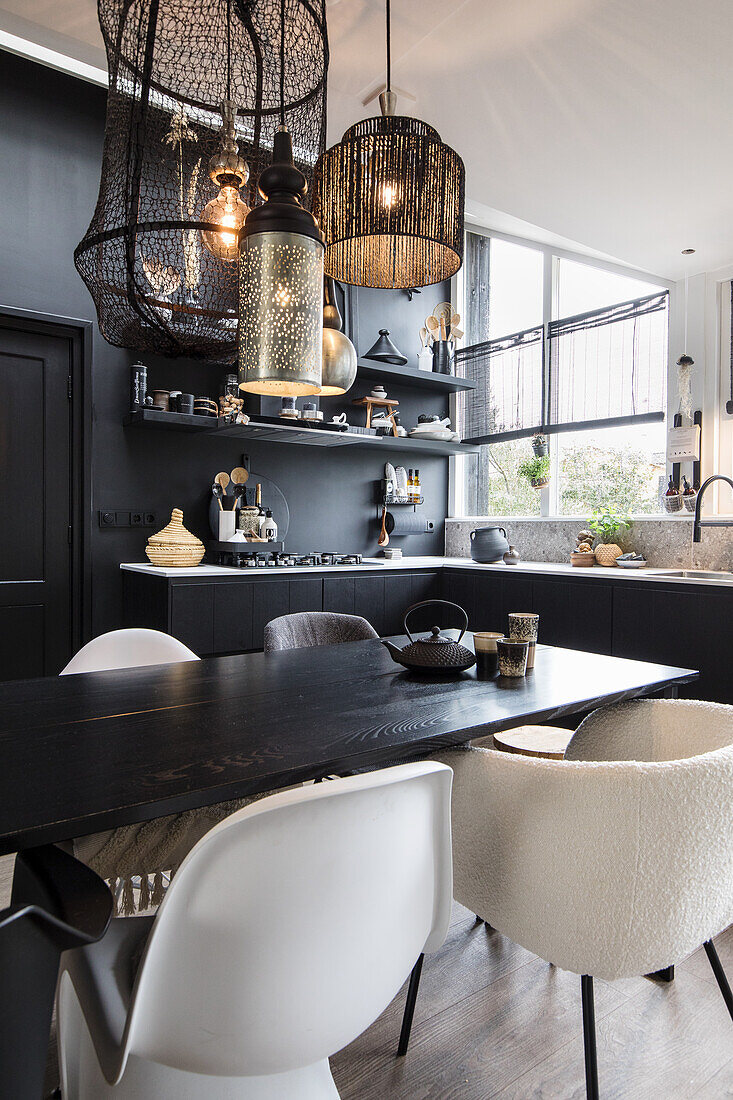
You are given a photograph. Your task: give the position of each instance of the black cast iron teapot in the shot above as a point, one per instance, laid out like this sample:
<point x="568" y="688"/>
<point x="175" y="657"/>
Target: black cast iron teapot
<point x="435" y="653"/>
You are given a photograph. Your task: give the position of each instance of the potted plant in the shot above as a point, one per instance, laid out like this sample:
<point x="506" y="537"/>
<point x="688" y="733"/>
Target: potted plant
<point x="539" y="445"/>
<point x="608" y="523"/>
<point x="536" y="470"/>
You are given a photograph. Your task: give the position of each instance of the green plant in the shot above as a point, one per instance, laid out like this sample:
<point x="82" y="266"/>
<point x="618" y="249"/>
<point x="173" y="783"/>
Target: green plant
<point x="535" y="469"/>
<point x="539" y="440"/>
<point x="608" y="522"/>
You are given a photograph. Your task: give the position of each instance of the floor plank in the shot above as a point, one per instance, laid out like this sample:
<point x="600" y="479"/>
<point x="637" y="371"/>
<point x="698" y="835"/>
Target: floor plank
<point x="513" y="1029"/>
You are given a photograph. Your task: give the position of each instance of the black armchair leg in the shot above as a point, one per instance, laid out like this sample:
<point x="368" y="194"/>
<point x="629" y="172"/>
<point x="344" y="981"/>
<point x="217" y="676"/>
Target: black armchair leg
<point x="410" y="1006"/>
<point x="589" y="1037"/>
<point x="719" y="973"/>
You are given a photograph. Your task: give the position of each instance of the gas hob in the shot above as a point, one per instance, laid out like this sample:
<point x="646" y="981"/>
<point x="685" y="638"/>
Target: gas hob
<point x="263" y="559"/>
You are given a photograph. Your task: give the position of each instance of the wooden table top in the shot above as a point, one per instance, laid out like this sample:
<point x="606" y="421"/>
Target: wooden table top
<point x="88" y="752"/>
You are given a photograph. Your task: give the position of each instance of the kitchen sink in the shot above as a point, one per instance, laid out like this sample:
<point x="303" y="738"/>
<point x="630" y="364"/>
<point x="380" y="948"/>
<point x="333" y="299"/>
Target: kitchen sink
<point x="700" y="575"/>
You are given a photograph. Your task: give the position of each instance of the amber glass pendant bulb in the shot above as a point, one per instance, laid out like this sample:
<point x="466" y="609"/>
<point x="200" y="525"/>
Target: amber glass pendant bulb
<point x="229" y="172"/>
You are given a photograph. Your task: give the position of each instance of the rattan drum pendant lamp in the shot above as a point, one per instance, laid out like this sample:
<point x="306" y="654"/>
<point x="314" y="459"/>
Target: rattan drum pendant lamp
<point x="390" y="200"/>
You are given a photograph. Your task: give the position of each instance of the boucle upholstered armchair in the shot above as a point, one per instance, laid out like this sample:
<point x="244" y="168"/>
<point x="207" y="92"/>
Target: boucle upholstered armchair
<point x="607" y="869"/>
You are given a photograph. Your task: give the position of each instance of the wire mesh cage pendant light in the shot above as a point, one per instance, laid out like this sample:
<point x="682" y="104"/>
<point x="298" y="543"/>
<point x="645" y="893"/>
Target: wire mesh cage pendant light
<point x="390" y="200"/>
<point x="195" y="99"/>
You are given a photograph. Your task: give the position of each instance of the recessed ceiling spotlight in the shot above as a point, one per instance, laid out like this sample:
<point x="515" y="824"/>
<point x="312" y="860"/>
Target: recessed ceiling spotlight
<point x="687" y="251"/>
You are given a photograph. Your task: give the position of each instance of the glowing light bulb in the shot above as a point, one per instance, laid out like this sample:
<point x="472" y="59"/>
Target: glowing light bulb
<point x="228" y="211"/>
<point x="389" y="194"/>
<point x="282" y="295"/>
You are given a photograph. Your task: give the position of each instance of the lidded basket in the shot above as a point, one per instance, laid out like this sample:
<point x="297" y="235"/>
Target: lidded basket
<point x="174" y="545"/>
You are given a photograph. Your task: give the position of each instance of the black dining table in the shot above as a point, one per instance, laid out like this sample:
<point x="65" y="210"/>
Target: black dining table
<point x="88" y="752"/>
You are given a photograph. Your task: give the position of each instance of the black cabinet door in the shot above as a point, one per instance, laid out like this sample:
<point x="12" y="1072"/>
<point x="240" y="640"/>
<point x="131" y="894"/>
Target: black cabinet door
<point x="192" y="616"/>
<point x="460" y="587"/>
<point x="692" y="629"/>
<point x="426" y="586"/>
<point x="634" y="624"/>
<point x="338" y="595"/>
<point x="306" y="594"/>
<point x="489" y="601"/>
<point x="270" y="600"/>
<point x="233" y="602"/>
<point x="398" y="595"/>
<point x="574" y="614"/>
<point x="369" y="601"/>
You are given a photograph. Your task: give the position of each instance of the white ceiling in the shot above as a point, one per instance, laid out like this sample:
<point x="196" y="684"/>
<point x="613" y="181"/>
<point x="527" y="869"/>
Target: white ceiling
<point x="605" y="122"/>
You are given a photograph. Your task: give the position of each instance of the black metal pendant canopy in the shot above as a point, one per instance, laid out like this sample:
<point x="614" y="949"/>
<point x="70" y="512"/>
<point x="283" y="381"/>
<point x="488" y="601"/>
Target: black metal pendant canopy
<point x="390" y="200"/>
<point x="196" y="96"/>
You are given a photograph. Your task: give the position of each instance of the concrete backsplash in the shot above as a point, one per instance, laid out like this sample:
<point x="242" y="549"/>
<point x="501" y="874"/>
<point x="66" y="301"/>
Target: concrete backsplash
<point x="665" y="543"/>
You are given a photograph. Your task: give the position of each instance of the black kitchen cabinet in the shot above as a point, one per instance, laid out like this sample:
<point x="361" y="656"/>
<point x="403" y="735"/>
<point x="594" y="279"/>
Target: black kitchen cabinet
<point x="271" y="599"/>
<point x="369" y="601"/>
<point x="688" y="627"/>
<point x="579" y="616"/>
<point x="192" y="617"/>
<point x="459" y="587"/>
<point x="398" y="595"/>
<point x="233" y="605"/>
<point x="338" y="595"/>
<point x="305" y="594"/>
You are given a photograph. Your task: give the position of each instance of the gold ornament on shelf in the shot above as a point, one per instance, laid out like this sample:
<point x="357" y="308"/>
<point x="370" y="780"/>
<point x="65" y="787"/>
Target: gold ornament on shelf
<point x="174" y="545"/>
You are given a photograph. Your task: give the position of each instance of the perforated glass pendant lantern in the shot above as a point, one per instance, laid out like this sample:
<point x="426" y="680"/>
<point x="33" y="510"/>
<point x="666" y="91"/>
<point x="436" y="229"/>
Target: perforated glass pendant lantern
<point x="280" y="285"/>
<point x="390" y="200"/>
<point x="197" y="92"/>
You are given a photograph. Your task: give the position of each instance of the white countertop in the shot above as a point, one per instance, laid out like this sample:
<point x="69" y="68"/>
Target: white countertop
<point x="372" y="565"/>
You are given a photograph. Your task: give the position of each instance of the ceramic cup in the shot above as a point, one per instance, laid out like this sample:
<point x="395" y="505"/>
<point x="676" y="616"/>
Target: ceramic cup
<point x="512" y="655"/>
<point x="484" y="643"/>
<point x="162" y="398"/>
<point x="524" y="626"/>
<point x="185" y="402"/>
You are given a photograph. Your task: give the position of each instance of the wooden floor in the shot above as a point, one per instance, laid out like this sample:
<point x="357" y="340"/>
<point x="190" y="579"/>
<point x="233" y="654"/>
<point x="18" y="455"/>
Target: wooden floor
<point x="493" y="1020"/>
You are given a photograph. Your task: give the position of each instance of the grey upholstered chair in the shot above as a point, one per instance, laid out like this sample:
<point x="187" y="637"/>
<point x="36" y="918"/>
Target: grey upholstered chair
<point x="313" y="628"/>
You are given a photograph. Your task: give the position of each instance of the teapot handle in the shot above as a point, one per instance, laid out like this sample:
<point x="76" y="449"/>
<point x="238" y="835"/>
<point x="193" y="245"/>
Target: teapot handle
<point x="424" y="603"/>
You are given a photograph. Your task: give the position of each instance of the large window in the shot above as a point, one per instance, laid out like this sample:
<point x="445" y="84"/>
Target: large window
<point x="577" y="351"/>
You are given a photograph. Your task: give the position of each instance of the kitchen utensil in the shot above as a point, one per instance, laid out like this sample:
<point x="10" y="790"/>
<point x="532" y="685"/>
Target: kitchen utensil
<point x="161" y="398"/>
<point x="174" y="545"/>
<point x="436" y="653"/>
<point x="423" y="336"/>
<point x="484" y="642"/>
<point x="401" y="481"/>
<point x="488" y="544"/>
<point x="443" y="334"/>
<point x="456" y="333"/>
<point x="218" y="493"/>
<point x="222" y="479"/>
<point x="239" y="475"/>
<point x="455" y="320"/>
<point x="443" y="310"/>
<point x="383" y="539"/>
<point x="512" y="655"/>
<point x="432" y="324"/>
<point x="390" y="474"/>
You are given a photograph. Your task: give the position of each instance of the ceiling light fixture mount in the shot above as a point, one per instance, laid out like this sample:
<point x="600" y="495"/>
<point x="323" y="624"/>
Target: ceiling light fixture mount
<point x="390" y="199"/>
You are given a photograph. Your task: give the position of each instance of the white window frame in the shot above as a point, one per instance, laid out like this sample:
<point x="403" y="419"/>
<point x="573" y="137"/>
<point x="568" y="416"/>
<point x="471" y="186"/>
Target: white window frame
<point x="549" y="497"/>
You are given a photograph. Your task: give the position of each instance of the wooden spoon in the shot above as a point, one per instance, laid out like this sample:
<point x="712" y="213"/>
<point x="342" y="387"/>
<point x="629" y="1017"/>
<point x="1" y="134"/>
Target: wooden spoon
<point x="455" y="320"/>
<point x="383" y="539"/>
<point x="442" y="328"/>
<point x="239" y="475"/>
<point x="431" y="324"/>
<point x="222" y="479"/>
<point x="423" y="336"/>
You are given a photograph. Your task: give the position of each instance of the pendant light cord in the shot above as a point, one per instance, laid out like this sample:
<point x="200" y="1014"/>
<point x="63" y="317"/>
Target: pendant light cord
<point x="389" y="48"/>
<point x="684" y="346"/>
<point x="282" y="63"/>
<point x="229" y="49"/>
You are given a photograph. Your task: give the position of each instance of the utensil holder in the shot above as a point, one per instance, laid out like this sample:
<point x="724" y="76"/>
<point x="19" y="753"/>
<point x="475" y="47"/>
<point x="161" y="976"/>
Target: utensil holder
<point x="442" y="362"/>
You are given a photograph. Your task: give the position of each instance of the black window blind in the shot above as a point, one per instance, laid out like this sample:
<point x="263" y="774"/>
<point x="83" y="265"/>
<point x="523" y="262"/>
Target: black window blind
<point x="604" y="367"/>
<point x="507" y="402"/>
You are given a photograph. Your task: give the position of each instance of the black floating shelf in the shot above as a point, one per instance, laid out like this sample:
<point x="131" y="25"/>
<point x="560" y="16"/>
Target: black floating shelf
<point x="289" y="433"/>
<point x="409" y="376"/>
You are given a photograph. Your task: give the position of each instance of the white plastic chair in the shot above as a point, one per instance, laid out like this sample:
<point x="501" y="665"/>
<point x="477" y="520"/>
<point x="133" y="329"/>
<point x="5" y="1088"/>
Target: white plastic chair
<point x="131" y="648"/>
<point x="286" y="932"/>
<point x="609" y="870"/>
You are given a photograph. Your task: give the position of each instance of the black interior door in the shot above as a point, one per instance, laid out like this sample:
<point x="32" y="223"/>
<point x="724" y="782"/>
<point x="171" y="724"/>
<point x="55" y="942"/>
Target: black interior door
<point x="36" y="495"/>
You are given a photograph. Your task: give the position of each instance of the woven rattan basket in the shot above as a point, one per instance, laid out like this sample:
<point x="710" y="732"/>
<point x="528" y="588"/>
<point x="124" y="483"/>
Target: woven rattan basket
<point x="174" y="545"/>
<point x="607" y="553"/>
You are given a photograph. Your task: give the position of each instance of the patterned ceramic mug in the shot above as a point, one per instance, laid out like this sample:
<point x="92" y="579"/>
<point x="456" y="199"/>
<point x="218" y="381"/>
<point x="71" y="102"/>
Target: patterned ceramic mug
<point x="484" y="643"/>
<point x="524" y="625"/>
<point x="512" y="654"/>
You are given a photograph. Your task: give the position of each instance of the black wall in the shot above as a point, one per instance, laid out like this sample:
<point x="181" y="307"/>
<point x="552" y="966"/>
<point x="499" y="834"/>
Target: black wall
<point x="51" y="132"/>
